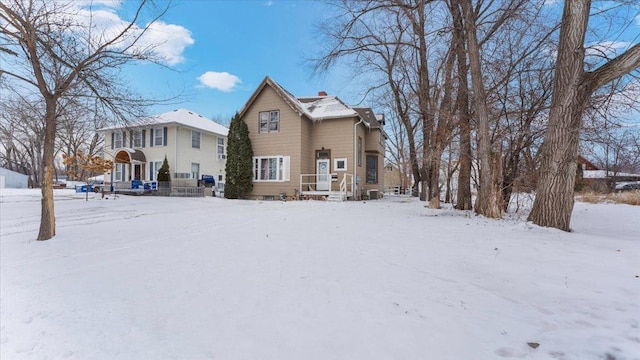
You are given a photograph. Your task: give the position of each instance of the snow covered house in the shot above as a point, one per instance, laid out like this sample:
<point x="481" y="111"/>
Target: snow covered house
<point x="193" y="145"/>
<point x="596" y="179"/>
<point x="313" y="146"/>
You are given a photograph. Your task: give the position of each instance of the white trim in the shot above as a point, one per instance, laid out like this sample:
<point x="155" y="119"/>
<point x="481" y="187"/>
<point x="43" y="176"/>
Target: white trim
<point x="323" y="184"/>
<point x="136" y="134"/>
<point x="193" y="132"/>
<point x="116" y="141"/>
<point x="282" y="168"/>
<point x="269" y="121"/>
<point x="155" y="136"/>
<point x="335" y="164"/>
<point x="198" y="174"/>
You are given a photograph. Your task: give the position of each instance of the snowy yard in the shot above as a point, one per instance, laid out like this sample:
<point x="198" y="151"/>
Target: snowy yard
<point x="208" y="278"/>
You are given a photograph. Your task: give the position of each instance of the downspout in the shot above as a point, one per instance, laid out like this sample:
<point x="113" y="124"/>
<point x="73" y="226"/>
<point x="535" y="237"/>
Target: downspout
<point x="175" y="169"/>
<point x="355" y="157"/>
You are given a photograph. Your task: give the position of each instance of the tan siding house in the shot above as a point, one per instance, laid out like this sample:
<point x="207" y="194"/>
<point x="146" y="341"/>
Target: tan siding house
<point x="193" y="145"/>
<point x="313" y="146"/>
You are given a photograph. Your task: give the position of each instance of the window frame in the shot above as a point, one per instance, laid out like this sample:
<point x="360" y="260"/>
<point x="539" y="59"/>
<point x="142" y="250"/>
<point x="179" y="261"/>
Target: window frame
<point x="338" y="168"/>
<point x="136" y="136"/>
<point x="117" y="134"/>
<point x="375" y="169"/>
<point x="154" y="169"/>
<point x="269" y="121"/>
<point x="156" y="131"/>
<point x="120" y="170"/>
<point x="197" y="176"/>
<point x="199" y="136"/>
<point x="282" y="170"/>
<point x="218" y="147"/>
<point x="359" y="151"/>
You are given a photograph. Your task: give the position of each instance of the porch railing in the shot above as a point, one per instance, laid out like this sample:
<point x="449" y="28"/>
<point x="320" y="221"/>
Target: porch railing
<point x="346" y="183"/>
<point x="187" y="191"/>
<point x="309" y="183"/>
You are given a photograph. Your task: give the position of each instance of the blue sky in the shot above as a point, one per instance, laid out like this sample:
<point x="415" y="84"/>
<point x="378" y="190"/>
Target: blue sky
<point x="219" y="51"/>
<point x="236" y="44"/>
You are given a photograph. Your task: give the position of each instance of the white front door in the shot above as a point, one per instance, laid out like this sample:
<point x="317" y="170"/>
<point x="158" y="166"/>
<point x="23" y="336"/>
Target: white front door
<point x="323" y="177"/>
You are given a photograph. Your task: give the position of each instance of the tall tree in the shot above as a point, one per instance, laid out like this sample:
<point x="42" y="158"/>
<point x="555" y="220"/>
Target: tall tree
<point x="488" y="194"/>
<point x="59" y="53"/>
<point x="239" y="167"/>
<point x="573" y="87"/>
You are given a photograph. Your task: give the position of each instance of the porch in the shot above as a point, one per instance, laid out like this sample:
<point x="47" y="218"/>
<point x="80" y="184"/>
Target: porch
<point x="332" y="186"/>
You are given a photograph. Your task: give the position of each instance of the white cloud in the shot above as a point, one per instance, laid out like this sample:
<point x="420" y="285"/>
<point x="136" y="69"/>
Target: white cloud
<point x="222" y="81"/>
<point x="170" y="41"/>
<point x="166" y="42"/>
<point x="269" y="3"/>
<point x="605" y="48"/>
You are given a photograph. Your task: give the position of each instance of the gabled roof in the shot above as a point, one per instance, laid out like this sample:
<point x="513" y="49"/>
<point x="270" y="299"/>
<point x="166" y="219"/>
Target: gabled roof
<point x="588" y="164"/>
<point x="182" y="117"/>
<point x="315" y="108"/>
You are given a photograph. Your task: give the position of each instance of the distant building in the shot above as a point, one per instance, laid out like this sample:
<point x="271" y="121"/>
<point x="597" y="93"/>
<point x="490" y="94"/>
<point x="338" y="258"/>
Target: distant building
<point x="193" y="145"/>
<point x="596" y="179"/>
<point x="13" y="180"/>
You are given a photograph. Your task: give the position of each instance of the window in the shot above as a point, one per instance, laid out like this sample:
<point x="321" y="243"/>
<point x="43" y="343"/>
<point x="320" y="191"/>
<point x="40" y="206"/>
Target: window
<point x="372" y="169"/>
<point x="359" y="151"/>
<point x="158" y="136"/>
<point x="136" y="136"/>
<point x="340" y="164"/>
<point x="271" y="168"/>
<point x="195" y="170"/>
<point x="269" y="121"/>
<point x="195" y="139"/>
<point x="389" y="168"/>
<point x="221" y="154"/>
<point x="120" y="172"/>
<point x="154" y="167"/>
<point x="117" y="139"/>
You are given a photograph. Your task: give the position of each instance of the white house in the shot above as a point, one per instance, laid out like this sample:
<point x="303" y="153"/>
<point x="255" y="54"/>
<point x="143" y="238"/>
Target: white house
<point x="193" y="145"/>
<point x="13" y="180"/>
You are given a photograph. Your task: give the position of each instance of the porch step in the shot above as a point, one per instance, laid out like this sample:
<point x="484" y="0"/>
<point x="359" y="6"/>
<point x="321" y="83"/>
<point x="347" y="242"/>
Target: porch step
<point x="335" y="197"/>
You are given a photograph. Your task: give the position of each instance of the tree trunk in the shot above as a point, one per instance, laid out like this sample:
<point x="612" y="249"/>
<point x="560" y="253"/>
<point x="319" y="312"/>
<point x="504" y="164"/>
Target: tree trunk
<point x="47" y="216"/>
<point x="463" y="201"/>
<point x="554" y="201"/>
<point x="572" y="88"/>
<point x="488" y="198"/>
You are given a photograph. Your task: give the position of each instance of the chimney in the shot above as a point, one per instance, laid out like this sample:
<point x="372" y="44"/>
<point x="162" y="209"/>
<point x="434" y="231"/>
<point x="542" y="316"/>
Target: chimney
<point x="322" y="93"/>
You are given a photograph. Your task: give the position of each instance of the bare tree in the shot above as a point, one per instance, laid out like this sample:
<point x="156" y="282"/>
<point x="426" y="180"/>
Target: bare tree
<point x="572" y="89"/>
<point x="57" y="57"/>
<point x="22" y="137"/>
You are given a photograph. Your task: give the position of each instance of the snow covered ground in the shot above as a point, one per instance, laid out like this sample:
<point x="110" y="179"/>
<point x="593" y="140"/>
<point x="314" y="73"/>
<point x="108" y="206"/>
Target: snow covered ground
<point x="208" y="278"/>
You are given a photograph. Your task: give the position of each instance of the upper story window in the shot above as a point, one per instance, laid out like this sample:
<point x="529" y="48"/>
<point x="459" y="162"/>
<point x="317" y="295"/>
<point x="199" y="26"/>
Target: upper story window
<point x="269" y="121"/>
<point x="136" y="137"/>
<point x="195" y="139"/>
<point x="117" y="139"/>
<point x="158" y="137"/>
<point x="221" y="148"/>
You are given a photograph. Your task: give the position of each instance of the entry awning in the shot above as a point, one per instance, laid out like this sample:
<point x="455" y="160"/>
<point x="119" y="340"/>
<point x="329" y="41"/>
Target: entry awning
<point x="130" y="156"/>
